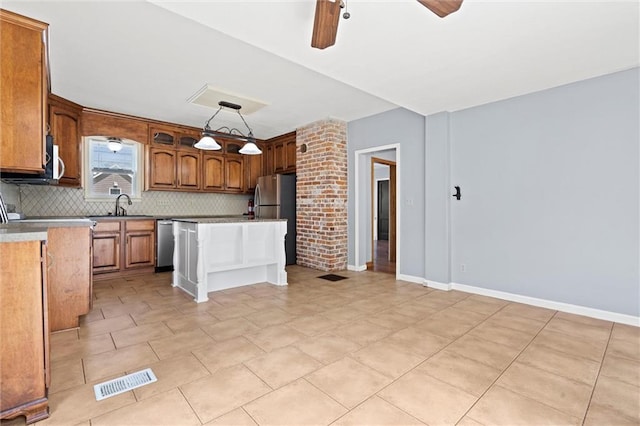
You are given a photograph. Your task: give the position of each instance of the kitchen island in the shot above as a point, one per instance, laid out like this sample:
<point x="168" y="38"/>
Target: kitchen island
<point x="214" y="254"/>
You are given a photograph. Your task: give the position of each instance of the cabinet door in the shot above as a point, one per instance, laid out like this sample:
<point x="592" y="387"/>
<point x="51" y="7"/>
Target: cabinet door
<point x="106" y="252"/>
<point x="162" y="136"/>
<point x="290" y="155"/>
<point x="186" y="140"/>
<point x="234" y="173"/>
<point x="65" y="128"/>
<point x="140" y="249"/>
<point x="24" y="332"/>
<point x="23" y="78"/>
<point x="140" y="243"/>
<point x="69" y="267"/>
<point x="279" y="158"/>
<point x="188" y="170"/>
<point x="253" y="170"/>
<point x="213" y="172"/>
<point x="267" y="162"/>
<point x="161" y="169"/>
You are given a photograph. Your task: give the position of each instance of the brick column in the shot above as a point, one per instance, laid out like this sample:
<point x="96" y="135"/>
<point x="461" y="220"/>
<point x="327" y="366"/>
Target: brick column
<point x="322" y="195"/>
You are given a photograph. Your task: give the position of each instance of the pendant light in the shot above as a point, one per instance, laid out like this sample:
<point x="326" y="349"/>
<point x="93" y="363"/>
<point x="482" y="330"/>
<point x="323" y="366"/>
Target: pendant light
<point x="207" y="142"/>
<point x="114" y="144"/>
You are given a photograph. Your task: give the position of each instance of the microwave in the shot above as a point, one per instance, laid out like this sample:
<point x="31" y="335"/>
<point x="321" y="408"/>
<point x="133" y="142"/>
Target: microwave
<point x="53" y="170"/>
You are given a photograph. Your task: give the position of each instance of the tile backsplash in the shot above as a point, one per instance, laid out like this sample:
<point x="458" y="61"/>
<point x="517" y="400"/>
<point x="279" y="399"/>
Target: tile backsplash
<point x="59" y="201"/>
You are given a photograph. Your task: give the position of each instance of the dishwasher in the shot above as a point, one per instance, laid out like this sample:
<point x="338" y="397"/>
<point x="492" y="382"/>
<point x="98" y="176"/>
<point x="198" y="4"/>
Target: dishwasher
<point x="164" y="245"/>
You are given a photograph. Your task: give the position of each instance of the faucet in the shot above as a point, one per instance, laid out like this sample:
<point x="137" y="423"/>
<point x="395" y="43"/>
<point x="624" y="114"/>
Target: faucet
<point x="118" y="208"/>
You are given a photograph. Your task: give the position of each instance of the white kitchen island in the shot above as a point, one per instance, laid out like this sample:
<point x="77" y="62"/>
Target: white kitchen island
<point x="217" y="254"/>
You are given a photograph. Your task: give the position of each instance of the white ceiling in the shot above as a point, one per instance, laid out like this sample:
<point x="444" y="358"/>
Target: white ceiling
<point x="148" y="58"/>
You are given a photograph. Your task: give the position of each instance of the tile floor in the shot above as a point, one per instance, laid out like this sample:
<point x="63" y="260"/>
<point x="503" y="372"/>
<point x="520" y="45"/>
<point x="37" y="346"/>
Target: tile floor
<point x="367" y="350"/>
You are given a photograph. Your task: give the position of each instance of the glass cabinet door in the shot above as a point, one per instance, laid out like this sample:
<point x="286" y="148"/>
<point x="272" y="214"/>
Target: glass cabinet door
<point x="162" y="137"/>
<point x="187" y="140"/>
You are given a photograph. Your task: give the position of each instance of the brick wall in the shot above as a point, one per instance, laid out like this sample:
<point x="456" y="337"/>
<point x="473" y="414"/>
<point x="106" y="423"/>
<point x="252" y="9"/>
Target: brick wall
<point x="322" y="195"/>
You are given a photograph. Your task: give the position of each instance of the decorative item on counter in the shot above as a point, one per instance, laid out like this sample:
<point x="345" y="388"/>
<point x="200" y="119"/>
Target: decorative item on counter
<point x="252" y="214"/>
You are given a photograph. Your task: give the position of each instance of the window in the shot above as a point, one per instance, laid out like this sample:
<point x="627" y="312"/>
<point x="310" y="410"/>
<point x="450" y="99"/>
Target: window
<point x="108" y="174"/>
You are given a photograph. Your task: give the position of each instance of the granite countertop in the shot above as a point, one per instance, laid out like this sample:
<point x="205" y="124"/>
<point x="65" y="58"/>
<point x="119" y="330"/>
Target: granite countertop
<point x="225" y="220"/>
<point x="49" y="222"/>
<point x="11" y="234"/>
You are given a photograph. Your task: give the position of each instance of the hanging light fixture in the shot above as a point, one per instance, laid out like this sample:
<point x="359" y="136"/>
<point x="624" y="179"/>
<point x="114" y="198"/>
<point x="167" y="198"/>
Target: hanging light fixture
<point x="114" y="144"/>
<point x="209" y="143"/>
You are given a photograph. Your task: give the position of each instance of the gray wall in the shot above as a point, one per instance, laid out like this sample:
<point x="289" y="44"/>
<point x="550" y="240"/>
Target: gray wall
<point x="407" y="129"/>
<point x="550" y="194"/>
<point x="437" y="199"/>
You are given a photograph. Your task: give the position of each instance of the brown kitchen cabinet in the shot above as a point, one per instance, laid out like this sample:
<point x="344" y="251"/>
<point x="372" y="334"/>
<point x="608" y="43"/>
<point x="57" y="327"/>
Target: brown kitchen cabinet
<point x="140" y="243"/>
<point x="188" y="169"/>
<point x="160" y="168"/>
<point x="24" y="335"/>
<point x="106" y="246"/>
<point x="253" y="170"/>
<point x="162" y="136"/>
<point x="70" y="281"/>
<point x="281" y="154"/>
<point x="136" y="253"/>
<point x="24" y="77"/>
<point x="64" y="122"/>
<point x="171" y="169"/>
<point x="223" y="171"/>
<point x="213" y="172"/>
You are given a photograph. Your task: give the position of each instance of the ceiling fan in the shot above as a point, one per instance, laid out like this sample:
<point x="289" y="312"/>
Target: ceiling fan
<point x="325" y="24"/>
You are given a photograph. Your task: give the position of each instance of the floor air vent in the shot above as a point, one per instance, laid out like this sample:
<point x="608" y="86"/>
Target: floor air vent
<point x="124" y="384"/>
<point x="332" y="277"/>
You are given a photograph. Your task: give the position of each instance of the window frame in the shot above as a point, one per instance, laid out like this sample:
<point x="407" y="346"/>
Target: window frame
<point x="87" y="174"/>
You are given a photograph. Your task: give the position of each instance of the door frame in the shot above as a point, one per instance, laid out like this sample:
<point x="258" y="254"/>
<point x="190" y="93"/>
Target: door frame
<point x="359" y="186"/>
<point x="375" y="204"/>
<point x="392" y="205"/>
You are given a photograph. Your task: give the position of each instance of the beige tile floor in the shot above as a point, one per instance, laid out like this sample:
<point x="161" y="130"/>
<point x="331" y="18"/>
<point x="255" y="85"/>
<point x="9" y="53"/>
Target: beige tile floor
<point x="367" y="350"/>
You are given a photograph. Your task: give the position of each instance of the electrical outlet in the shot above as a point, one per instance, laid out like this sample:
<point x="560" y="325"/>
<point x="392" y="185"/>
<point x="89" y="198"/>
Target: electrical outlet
<point x="463" y="267"/>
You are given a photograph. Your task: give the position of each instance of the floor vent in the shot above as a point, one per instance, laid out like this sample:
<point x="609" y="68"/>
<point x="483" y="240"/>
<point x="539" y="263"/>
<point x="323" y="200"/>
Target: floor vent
<point x="124" y="384"/>
<point x="332" y="277"/>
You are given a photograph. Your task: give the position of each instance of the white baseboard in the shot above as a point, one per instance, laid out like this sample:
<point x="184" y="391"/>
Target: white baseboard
<point x="410" y="278"/>
<point x="437" y="285"/>
<point x="356" y="268"/>
<point x="550" y="304"/>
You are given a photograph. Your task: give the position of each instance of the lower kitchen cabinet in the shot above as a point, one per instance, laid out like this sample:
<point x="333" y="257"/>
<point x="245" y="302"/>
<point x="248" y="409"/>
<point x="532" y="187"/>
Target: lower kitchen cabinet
<point x="140" y="243"/>
<point x="106" y="246"/>
<point x="70" y="280"/>
<point x="24" y="335"/>
<point x="136" y="253"/>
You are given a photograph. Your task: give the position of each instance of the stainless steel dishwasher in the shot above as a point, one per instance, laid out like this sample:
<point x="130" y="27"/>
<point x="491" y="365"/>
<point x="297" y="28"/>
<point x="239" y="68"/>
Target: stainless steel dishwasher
<point x="164" y="245"/>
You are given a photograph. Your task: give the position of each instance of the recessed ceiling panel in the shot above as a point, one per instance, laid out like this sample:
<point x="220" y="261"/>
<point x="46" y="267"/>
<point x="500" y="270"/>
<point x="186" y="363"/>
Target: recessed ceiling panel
<point x="209" y="96"/>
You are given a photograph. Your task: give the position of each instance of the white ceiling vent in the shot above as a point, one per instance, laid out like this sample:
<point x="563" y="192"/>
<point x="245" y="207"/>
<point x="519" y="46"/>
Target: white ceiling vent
<point x="124" y="384"/>
<point x="210" y="96"/>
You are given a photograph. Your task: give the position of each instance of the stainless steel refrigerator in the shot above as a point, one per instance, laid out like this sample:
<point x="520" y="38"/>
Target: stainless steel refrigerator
<point x="275" y="198"/>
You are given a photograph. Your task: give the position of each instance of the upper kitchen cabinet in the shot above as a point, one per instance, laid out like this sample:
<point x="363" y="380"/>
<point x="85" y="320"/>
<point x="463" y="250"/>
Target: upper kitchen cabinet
<point x="24" y="78"/>
<point x="186" y="139"/>
<point x="224" y="170"/>
<point x="103" y="123"/>
<point x="171" y="169"/>
<point x="64" y="121"/>
<point x="161" y="169"/>
<point x="253" y="169"/>
<point x="281" y="157"/>
<point x="162" y="136"/>
<point x="166" y="136"/>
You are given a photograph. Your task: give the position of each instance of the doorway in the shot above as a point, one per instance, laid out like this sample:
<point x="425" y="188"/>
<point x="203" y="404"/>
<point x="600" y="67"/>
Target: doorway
<point x="362" y="208"/>
<point x="383" y="216"/>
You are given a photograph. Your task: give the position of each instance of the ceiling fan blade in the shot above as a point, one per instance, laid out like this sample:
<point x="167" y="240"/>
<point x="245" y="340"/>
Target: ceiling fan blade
<point x="325" y="24"/>
<point x="441" y="7"/>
